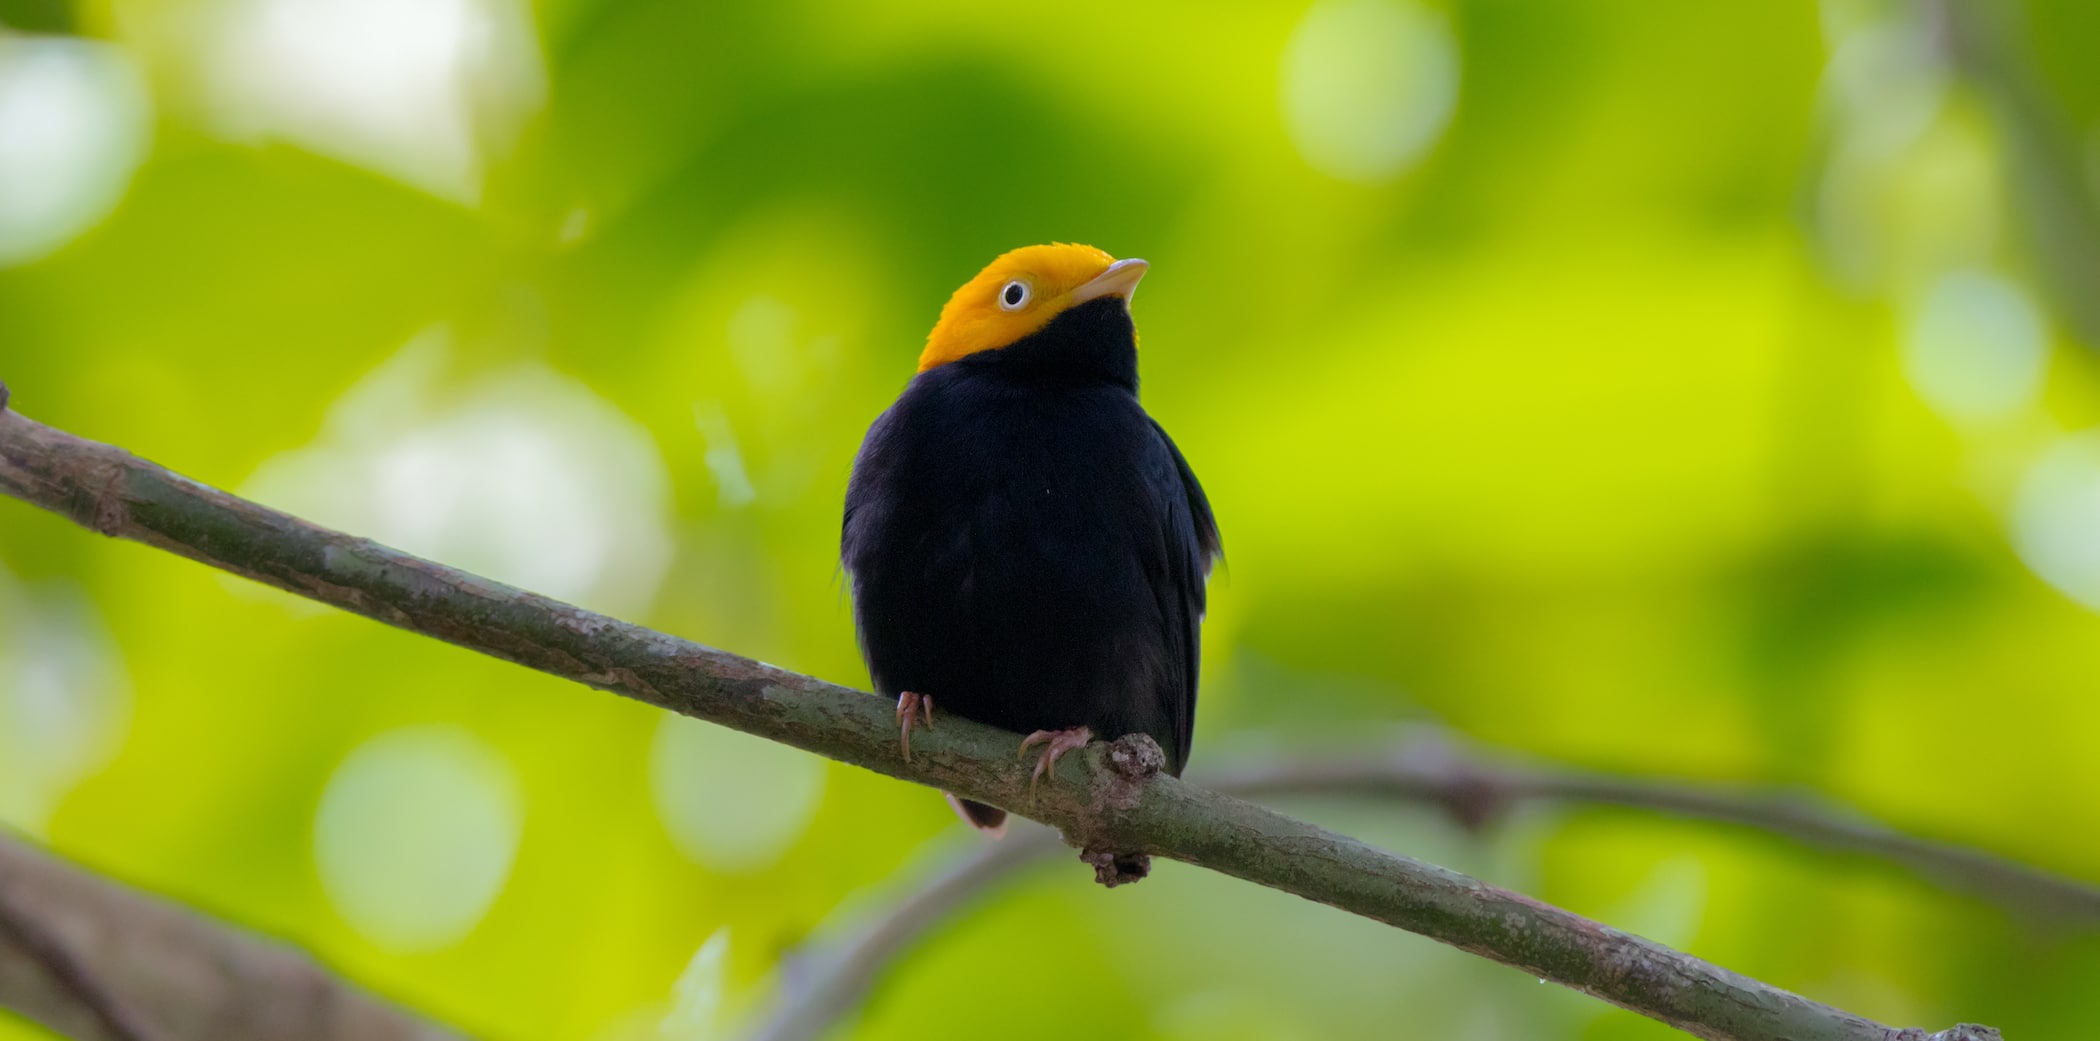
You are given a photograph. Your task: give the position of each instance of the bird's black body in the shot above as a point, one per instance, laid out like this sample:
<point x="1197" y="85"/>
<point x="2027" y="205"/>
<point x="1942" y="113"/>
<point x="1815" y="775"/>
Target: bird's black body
<point x="1027" y="547"/>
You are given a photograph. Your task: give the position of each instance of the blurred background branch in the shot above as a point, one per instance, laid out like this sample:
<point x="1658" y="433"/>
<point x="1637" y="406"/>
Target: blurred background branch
<point x="1123" y="807"/>
<point x="44" y="971"/>
<point x="97" y="961"/>
<point x="1476" y="789"/>
<point x="1987" y="43"/>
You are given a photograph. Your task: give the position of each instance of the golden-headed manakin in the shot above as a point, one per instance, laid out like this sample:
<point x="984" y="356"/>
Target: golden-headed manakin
<point x="1027" y="547"/>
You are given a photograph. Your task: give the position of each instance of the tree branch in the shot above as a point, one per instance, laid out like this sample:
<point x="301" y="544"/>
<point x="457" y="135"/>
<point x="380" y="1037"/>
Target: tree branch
<point x="97" y="961"/>
<point x="1112" y="801"/>
<point x="828" y="984"/>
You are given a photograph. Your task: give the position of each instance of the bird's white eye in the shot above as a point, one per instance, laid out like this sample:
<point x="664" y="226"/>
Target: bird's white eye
<point x="1014" y="295"/>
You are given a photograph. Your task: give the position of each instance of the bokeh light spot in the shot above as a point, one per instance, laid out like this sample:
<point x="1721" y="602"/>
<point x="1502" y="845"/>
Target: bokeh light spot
<point x="1368" y="86"/>
<point x="64" y="699"/>
<point x="524" y="475"/>
<point x="410" y="88"/>
<point x="2056" y="519"/>
<point x="1976" y="347"/>
<point x="74" y="127"/>
<point x="732" y="802"/>
<point x="1884" y="82"/>
<point x="415" y="836"/>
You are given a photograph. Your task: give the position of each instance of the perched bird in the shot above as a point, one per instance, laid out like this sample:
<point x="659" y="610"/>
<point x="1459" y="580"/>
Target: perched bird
<point x="1027" y="547"/>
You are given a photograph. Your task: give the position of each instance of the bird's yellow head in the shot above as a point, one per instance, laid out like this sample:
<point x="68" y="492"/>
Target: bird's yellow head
<point x="1020" y="293"/>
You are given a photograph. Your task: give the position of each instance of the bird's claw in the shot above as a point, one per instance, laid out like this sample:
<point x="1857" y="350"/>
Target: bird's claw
<point x="1055" y="744"/>
<point x="912" y="708"/>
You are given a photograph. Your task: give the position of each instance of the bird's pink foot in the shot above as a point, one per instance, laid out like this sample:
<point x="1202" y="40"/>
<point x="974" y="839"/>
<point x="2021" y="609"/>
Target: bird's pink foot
<point x="912" y="708"/>
<point x="1055" y="744"/>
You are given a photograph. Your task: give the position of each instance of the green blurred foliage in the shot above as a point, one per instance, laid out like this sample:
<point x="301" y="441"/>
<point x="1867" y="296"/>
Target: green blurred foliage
<point x="1594" y="429"/>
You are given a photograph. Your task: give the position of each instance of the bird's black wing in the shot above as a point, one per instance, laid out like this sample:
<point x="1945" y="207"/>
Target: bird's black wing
<point x="866" y="505"/>
<point x="878" y="508"/>
<point x="1189" y="542"/>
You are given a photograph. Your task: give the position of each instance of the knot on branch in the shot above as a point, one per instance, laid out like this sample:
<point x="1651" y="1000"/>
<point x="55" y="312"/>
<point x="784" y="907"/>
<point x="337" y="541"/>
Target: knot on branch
<point x="1473" y="799"/>
<point x="1132" y="760"/>
<point x="1136" y="757"/>
<point x="1472" y="795"/>
<point x="1115" y="869"/>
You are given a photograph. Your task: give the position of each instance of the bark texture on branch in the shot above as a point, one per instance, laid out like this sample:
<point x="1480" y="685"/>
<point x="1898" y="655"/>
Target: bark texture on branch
<point x="97" y="961"/>
<point x="1110" y="801"/>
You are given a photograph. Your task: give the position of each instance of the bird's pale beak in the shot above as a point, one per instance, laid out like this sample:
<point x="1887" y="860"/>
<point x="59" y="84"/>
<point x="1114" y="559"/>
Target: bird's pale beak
<point x="1120" y="279"/>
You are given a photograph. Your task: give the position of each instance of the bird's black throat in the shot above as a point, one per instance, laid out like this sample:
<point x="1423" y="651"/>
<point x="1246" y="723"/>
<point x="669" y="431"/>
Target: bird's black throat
<point x="1094" y="342"/>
